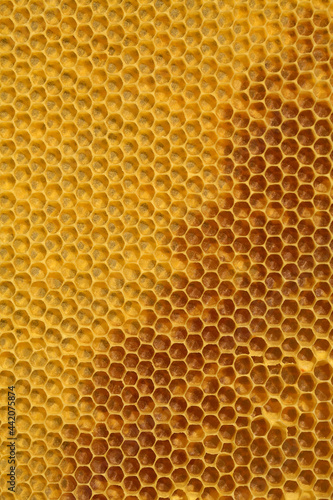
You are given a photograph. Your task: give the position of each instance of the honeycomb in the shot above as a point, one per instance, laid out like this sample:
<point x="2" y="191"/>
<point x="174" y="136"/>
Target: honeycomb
<point x="166" y="249"/>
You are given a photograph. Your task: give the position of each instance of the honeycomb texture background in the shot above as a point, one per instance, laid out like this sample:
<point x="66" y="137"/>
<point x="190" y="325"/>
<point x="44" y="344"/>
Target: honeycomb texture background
<point x="166" y="248"/>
